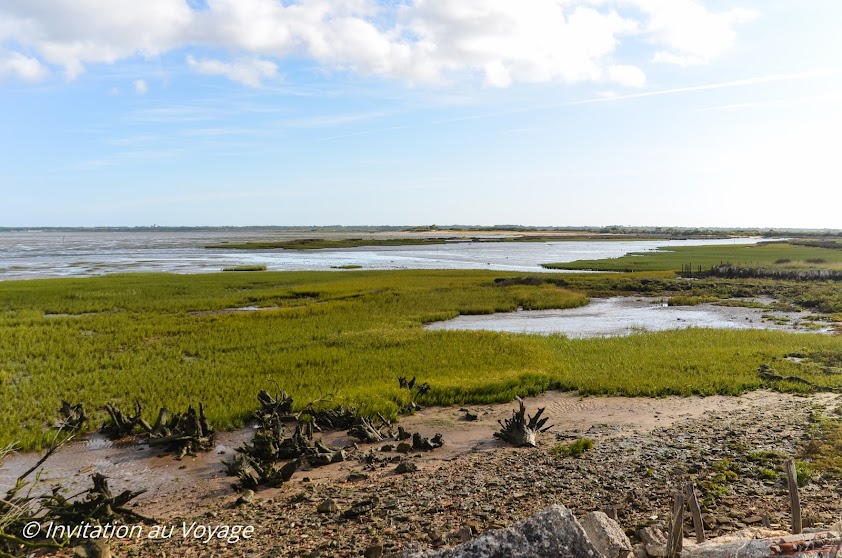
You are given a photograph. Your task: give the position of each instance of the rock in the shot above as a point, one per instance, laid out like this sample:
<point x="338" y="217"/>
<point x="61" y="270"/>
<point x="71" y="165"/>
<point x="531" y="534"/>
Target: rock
<point x="245" y="498"/>
<point x="357" y="476"/>
<point x="406" y="467"/>
<point x="654" y="540"/>
<point x="99" y="548"/>
<point x="552" y="532"/>
<point x="606" y="535"/>
<point x="374" y="551"/>
<point x="327" y="506"/>
<point x="360" y="508"/>
<point x="403" y="447"/>
<point x="810" y="545"/>
<point x="94" y="548"/>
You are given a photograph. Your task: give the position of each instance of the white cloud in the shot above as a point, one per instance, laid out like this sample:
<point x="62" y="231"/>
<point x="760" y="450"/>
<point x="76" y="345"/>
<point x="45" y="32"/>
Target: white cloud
<point x="73" y="33"/>
<point x="141" y="87"/>
<point x="504" y="41"/>
<point x="500" y="42"/>
<point x="630" y="76"/>
<point x="692" y="34"/>
<point x="248" y="71"/>
<point x="17" y="65"/>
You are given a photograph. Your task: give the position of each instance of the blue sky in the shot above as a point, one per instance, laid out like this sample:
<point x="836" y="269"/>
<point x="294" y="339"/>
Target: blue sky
<point x="316" y="112"/>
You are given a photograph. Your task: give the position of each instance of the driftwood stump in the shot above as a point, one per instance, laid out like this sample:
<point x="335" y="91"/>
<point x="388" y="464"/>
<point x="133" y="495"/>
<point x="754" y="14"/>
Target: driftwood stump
<point x="119" y="425"/>
<point x="521" y="431"/>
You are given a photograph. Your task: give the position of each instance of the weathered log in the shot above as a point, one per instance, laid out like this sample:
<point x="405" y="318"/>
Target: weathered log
<point x="364" y="431"/>
<point x="338" y="418"/>
<point x="119" y="425"/>
<point x="252" y="473"/>
<point x="184" y="433"/>
<point x="98" y="504"/>
<point x="273" y="410"/>
<point x="519" y="431"/>
<point x="160" y="423"/>
<point x="280" y="406"/>
<point x="425" y="444"/>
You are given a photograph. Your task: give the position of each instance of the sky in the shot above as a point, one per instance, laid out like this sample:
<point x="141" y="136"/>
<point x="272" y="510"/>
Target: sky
<point x="722" y="113"/>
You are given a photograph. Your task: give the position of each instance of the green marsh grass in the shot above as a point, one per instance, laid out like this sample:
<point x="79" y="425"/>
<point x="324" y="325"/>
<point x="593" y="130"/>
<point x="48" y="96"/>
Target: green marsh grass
<point x="168" y="340"/>
<point x="745" y="255"/>
<point x="573" y="449"/>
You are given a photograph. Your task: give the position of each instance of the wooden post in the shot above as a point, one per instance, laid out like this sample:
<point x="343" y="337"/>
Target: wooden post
<point x="675" y="537"/>
<point x="695" y="511"/>
<point x="795" y="503"/>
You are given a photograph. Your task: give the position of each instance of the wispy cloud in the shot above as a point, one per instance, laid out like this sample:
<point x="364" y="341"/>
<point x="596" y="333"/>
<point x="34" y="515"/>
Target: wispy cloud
<point x="611" y="97"/>
<point x="771" y="103"/>
<point x="177" y="113"/>
<point x="330" y="120"/>
<point x="251" y="71"/>
<point x="364" y="133"/>
<point x="125" y="156"/>
<point x="757" y="80"/>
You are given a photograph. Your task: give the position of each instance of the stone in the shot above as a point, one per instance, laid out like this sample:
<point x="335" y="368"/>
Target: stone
<point x="808" y="545"/>
<point x="245" y="498"/>
<point x="551" y="533"/>
<point x="374" y="551"/>
<point x="654" y="540"/>
<point x="606" y="535"/>
<point x="406" y="467"/>
<point x="327" y="506"/>
<point x="403" y="447"/>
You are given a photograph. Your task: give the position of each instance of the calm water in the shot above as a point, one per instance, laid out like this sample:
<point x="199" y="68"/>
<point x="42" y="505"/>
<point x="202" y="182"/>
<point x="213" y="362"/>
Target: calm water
<point x="617" y="316"/>
<point x="32" y="254"/>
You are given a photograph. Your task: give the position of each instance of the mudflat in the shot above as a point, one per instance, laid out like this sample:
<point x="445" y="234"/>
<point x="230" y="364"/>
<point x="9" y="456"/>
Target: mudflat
<point x="643" y="450"/>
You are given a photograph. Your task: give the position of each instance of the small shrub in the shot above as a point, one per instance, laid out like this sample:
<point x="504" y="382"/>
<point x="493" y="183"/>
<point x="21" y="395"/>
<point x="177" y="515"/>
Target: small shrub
<point x="783" y="261"/>
<point x="573" y="449"/>
<point x="804" y="473"/>
<point x="763" y="456"/>
<point x="768" y="474"/>
<point x="815" y="260"/>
